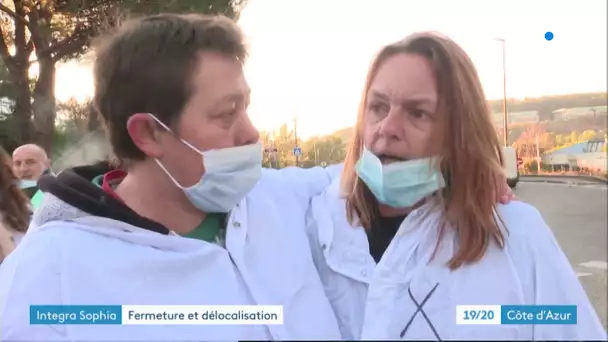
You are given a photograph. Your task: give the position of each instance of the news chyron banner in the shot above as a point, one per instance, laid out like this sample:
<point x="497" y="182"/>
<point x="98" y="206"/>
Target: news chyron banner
<point x="156" y="314"/>
<point x="516" y="314"/>
<point x="273" y="314"/>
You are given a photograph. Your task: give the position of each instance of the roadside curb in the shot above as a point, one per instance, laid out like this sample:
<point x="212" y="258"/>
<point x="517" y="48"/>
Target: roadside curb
<point x="546" y="181"/>
<point x="568" y="182"/>
<point x="563" y="179"/>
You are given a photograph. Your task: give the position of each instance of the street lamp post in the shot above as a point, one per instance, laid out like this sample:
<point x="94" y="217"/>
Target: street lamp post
<point x="295" y="134"/>
<point x="504" y="93"/>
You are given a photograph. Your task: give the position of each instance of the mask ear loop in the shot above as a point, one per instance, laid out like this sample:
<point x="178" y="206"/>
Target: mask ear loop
<point x="162" y="124"/>
<point x="183" y="142"/>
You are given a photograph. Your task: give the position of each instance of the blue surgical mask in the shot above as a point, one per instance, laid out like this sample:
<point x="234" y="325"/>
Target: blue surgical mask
<point x="27" y="183"/>
<point x="399" y="184"/>
<point x="230" y="173"/>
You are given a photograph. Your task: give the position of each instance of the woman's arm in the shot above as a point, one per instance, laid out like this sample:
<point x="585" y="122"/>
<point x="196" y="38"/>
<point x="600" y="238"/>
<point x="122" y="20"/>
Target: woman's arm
<point x="303" y="183"/>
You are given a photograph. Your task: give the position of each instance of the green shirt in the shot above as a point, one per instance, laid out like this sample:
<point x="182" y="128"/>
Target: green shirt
<point x="98" y="181"/>
<point x="212" y="229"/>
<point x="36" y="200"/>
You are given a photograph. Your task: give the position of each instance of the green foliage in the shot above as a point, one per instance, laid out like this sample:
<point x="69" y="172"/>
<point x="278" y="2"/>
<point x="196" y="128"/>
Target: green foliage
<point x="565" y="140"/>
<point x="8" y="137"/>
<point x="60" y="30"/>
<point x="329" y="150"/>
<point x="74" y="22"/>
<point x="74" y="117"/>
<point x="588" y="135"/>
<point x="229" y="8"/>
<point x="75" y="121"/>
<point x="315" y="151"/>
<point x="6" y="89"/>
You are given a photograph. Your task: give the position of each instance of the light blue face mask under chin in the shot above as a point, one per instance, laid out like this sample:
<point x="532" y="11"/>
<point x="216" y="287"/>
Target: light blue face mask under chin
<point x="400" y="184"/>
<point x="27" y="183"/>
<point x="230" y="173"/>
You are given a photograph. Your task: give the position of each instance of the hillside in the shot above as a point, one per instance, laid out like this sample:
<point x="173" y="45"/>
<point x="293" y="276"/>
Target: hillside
<point x="545" y="105"/>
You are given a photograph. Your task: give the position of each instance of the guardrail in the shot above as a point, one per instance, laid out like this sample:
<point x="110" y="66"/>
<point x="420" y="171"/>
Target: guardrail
<point x="586" y="178"/>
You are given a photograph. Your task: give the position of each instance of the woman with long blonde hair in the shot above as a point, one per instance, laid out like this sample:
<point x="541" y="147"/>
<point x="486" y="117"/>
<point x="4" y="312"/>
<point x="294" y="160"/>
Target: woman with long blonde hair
<point x="412" y="229"/>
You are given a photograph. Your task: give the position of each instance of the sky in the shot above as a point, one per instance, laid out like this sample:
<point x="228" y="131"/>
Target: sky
<point x="309" y="58"/>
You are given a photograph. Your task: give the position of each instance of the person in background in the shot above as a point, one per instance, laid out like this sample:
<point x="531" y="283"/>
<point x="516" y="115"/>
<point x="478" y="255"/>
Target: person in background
<point x="189" y="217"/>
<point x="14" y="210"/>
<point x="413" y="229"/>
<point x="30" y="162"/>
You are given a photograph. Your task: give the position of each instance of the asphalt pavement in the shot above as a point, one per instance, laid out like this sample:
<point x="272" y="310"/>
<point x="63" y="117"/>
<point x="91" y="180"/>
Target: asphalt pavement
<point x="578" y="215"/>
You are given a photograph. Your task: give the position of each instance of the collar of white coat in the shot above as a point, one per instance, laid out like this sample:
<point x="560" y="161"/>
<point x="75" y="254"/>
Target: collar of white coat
<point x="346" y="248"/>
<point x="54" y="212"/>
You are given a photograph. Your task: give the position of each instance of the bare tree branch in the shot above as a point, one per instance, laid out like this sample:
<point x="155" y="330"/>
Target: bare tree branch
<point x="20" y="32"/>
<point x="14" y="15"/>
<point x="29" y="47"/>
<point x="70" y="45"/>
<point x="35" y="34"/>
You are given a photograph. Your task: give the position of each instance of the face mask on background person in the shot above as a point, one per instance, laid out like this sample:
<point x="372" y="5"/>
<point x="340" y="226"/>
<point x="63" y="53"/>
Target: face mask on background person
<point x="400" y="184"/>
<point x="27" y="183"/>
<point x="230" y="173"/>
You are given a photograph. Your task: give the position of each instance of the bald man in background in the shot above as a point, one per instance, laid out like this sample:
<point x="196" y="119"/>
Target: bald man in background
<point x="30" y="161"/>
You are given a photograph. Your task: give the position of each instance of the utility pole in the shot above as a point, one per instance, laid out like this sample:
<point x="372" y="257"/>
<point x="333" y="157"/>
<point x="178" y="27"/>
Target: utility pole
<point x="504" y="95"/>
<point x="295" y="133"/>
<point x="275" y="151"/>
<point x="537" y="156"/>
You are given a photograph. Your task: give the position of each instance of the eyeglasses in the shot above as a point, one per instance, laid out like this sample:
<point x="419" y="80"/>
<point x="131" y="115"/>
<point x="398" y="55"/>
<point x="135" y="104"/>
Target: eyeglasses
<point x="419" y="309"/>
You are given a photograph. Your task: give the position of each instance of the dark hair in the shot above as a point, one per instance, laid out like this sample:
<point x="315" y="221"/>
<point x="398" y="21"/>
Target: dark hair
<point x="14" y="204"/>
<point x="146" y="67"/>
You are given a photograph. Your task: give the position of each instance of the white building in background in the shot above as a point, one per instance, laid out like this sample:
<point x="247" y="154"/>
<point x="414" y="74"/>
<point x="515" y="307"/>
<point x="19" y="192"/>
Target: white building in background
<point x="589" y="155"/>
<point x="530" y="116"/>
<point x="579" y="112"/>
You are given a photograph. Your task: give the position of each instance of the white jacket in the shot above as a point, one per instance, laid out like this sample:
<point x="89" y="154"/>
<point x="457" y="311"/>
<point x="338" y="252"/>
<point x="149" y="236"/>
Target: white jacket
<point x="531" y="270"/>
<point x="71" y="258"/>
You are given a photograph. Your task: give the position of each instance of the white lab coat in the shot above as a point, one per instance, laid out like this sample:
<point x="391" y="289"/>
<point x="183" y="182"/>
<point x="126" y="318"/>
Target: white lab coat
<point x="71" y="258"/>
<point x="341" y="254"/>
<point x="531" y="270"/>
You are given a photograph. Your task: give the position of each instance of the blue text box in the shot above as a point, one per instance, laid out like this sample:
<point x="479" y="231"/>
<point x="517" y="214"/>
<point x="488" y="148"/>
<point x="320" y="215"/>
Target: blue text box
<point x="75" y="314"/>
<point x="538" y="314"/>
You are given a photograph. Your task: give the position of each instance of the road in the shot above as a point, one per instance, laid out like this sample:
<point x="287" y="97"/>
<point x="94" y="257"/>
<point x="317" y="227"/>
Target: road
<point x="579" y="218"/>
